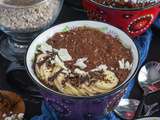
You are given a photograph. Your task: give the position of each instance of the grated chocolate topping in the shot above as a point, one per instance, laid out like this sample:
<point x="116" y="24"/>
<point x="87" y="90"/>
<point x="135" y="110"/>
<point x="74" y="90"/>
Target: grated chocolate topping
<point x="125" y="4"/>
<point x="98" y="47"/>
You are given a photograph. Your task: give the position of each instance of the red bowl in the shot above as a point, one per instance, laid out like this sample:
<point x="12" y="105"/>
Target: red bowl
<point x="133" y="21"/>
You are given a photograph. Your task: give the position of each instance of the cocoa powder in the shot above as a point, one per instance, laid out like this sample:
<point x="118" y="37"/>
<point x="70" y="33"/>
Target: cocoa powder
<point x="98" y="47"/>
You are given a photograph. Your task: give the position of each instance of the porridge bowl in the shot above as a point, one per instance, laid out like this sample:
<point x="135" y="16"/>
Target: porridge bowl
<point x="82" y="68"/>
<point x="134" y="20"/>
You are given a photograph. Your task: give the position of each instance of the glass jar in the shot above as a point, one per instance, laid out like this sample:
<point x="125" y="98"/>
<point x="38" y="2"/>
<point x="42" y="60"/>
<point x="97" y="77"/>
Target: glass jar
<point x="22" y="21"/>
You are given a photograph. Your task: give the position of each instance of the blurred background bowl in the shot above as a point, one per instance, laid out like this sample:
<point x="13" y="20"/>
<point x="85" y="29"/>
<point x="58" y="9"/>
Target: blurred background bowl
<point x="134" y="21"/>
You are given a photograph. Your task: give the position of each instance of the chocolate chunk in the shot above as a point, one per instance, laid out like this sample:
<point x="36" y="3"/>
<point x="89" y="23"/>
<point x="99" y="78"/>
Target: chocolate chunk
<point x="84" y="79"/>
<point x="52" y="78"/>
<point x="98" y="75"/>
<point x="40" y="63"/>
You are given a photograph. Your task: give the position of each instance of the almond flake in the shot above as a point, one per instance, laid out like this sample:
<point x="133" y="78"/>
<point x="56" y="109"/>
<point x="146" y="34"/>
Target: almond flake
<point x="100" y="67"/>
<point x="127" y="65"/>
<point x="45" y="47"/>
<point x="130" y="66"/>
<point x="121" y="64"/>
<point x="64" y="55"/>
<point x="52" y="61"/>
<point x="80" y="63"/>
<point x="59" y="62"/>
<point x="124" y="65"/>
<point x="67" y="72"/>
<point x="80" y="72"/>
<point x="55" y="50"/>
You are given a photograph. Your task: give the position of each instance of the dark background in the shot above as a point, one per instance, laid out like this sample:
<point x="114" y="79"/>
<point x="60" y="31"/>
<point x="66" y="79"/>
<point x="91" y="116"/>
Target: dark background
<point x="9" y="80"/>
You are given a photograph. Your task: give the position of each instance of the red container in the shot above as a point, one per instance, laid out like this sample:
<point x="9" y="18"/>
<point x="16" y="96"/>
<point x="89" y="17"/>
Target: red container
<point x="133" y="21"/>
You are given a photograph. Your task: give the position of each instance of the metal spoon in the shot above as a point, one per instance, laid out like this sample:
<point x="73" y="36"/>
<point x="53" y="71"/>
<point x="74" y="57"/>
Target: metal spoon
<point x="127" y="108"/>
<point x="149" y="77"/>
<point x="149" y="81"/>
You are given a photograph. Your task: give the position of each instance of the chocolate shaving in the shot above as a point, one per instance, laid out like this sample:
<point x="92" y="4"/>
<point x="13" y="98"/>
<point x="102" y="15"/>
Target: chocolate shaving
<point x="46" y="59"/>
<point x="93" y="44"/>
<point x="40" y="63"/>
<point x="84" y="79"/>
<point x="92" y="82"/>
<point x="49" y="64"/>
<point x="52" y="78"/>
<point x="73" y="80"/>
<point x="76" y="80"/>
<point x="97" y="75"/>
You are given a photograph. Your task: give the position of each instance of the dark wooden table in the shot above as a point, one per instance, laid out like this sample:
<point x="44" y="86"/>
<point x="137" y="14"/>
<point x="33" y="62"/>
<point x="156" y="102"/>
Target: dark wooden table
<point x="69" y="14"/>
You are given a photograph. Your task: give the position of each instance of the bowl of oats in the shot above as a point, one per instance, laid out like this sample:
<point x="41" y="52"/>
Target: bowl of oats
<point x="132" y="16"/>
<point x="22" y="21"/>
<point x="82" y="67"/>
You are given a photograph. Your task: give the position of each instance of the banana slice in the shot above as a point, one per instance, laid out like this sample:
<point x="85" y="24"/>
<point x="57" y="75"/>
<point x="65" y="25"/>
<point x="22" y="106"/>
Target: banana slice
<point x="39" y="59"/>
<point x="70" y="88"/>
<point x="88" y="89"/>
<point x="109" y="82"/>
<point x="98" y="90"/>
<point x="41" y="69"/>
<point x="102" y="86"/>
<point x="58" y="82"/>
<point x="45" y="73"/>
<point x="82" y="92"/>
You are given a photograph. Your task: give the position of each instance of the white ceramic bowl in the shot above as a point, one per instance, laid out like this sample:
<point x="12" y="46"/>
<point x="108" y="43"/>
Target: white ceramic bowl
<point x="124" y="38"/>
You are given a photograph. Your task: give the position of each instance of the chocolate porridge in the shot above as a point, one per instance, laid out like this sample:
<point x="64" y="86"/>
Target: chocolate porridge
<point x="82" y="62"/>
<point x="127" y="3"/>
